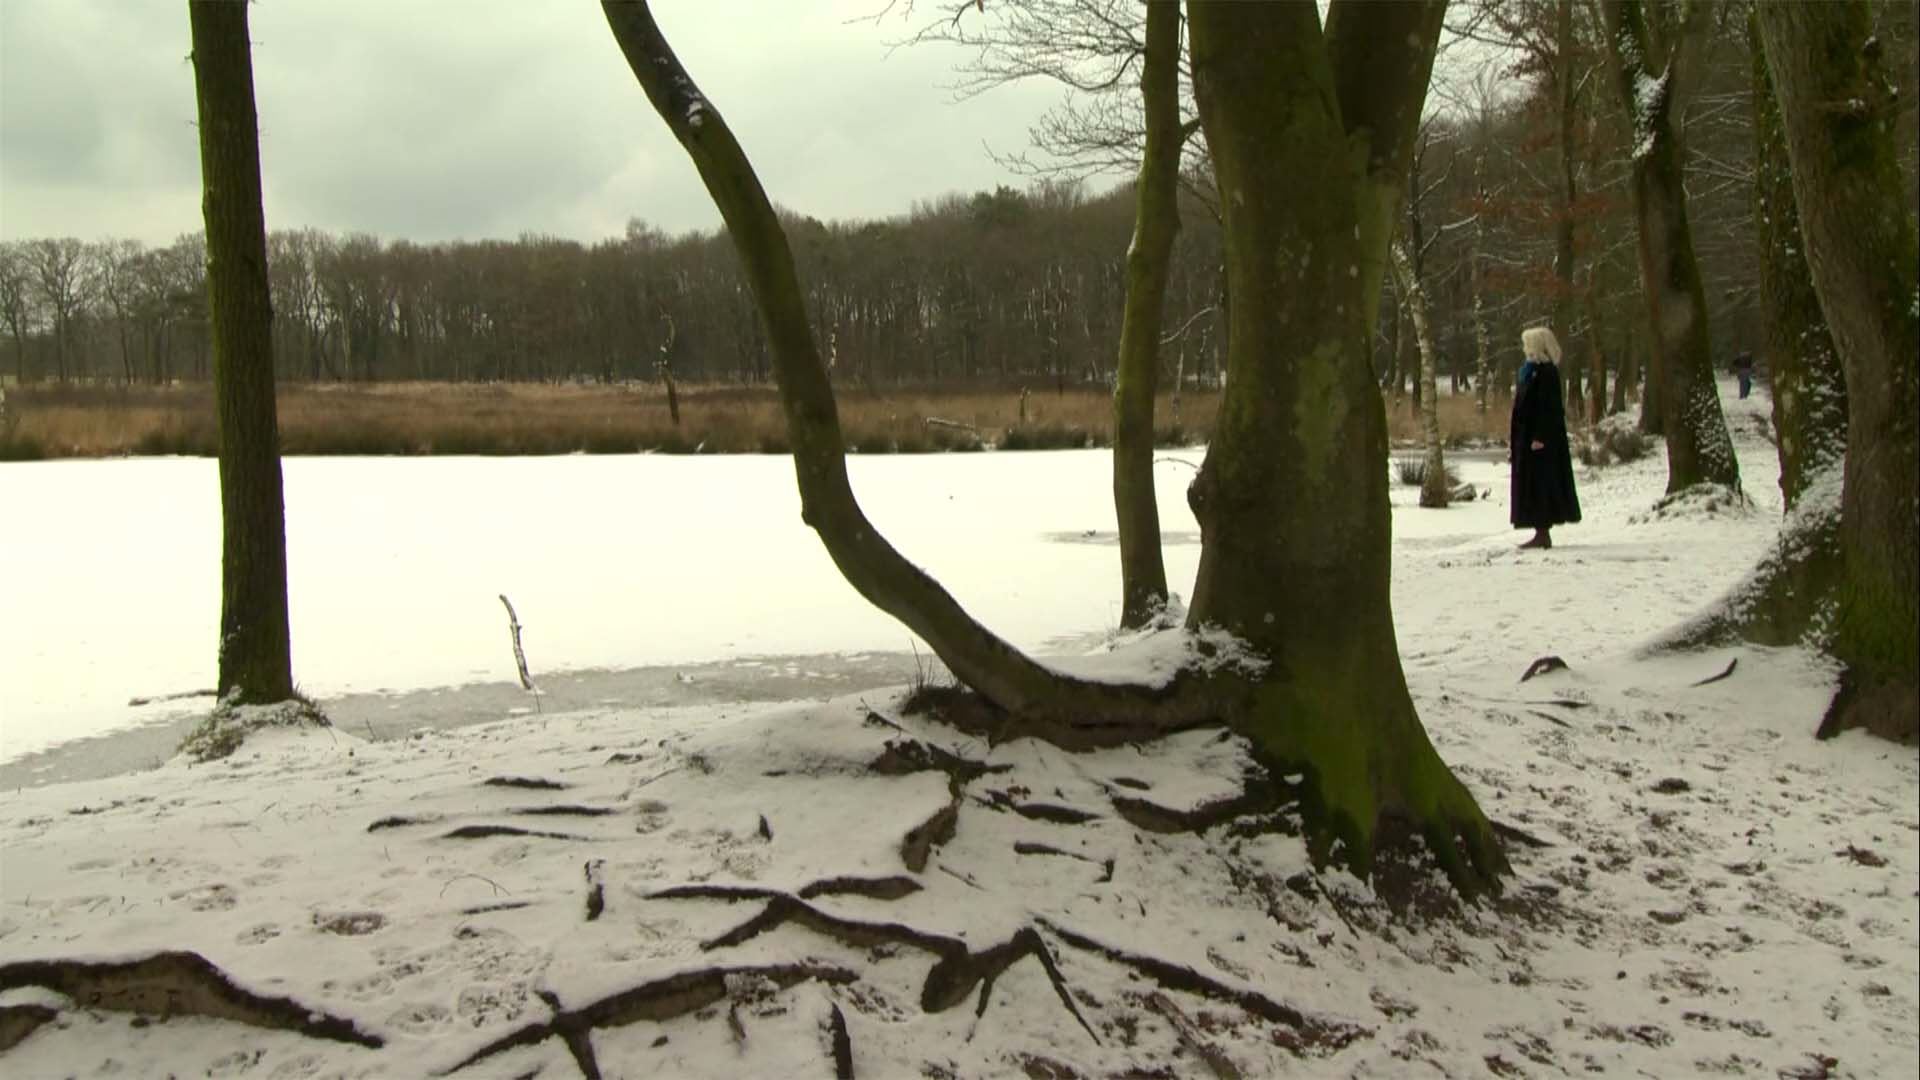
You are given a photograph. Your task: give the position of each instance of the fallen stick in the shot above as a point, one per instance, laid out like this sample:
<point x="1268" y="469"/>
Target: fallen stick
<point x="519" y="654"/>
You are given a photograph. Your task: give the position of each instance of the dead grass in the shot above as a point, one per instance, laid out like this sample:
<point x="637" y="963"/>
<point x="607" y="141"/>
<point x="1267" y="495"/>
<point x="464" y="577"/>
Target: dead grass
<point x="529" y="418"/>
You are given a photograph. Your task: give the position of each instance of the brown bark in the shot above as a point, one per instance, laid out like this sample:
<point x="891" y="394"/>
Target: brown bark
<point x="1839" y="116"/>
<point x="1699" y="449"/>
<point x="255" y="656"/>
<point x="1143" y="574"/>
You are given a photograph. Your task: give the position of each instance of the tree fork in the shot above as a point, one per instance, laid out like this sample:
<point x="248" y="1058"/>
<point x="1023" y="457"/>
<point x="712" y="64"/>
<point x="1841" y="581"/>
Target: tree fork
<point x="1292" y="499"/>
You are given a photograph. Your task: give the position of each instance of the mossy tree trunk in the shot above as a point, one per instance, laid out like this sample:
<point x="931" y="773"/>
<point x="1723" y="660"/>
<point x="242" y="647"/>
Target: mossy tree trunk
<point x="1304" y="440"/>
<point x="1292" y="497"/>
<point x="1143" y="574"/>
<point x="256" y="663"/>
<point x="1839" y="113"/>
<point x="1648" y="68"/>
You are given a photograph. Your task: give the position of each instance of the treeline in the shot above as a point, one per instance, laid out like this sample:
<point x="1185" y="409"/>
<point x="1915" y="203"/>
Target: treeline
<point x="1518" y="212"/>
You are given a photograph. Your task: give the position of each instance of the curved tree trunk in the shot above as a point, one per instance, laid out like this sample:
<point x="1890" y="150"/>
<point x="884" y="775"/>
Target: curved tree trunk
<point x="1143" y="574"/>
<point x="1078" y="710"/>
<point x="256" y="663"/>
<point x="1699" y="450"/>
<point x="1301" y="439"/>
<point x="1839" y="115"/>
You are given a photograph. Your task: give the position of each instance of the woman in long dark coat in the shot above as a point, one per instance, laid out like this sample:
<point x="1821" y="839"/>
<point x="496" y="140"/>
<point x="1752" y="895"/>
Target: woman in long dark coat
<point x="1542" y="494"/>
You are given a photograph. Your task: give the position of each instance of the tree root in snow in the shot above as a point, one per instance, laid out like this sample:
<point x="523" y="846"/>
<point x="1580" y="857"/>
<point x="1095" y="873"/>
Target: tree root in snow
<point x="178" y="984"/>
<point x="19" y="1021"/>
<point x="1542" y="666"/>
<point x="660" y="999"/>
<point x="481" y="832"/>
<point x="886" y="888"/>
<point x="903" y="756"/>
<point x="1725" y="674"/>
<point x="955" y="972"/>
<point x="1259" y="795"/>
<point x="842" y="1044"/>
<point x="1310" y="1032"/>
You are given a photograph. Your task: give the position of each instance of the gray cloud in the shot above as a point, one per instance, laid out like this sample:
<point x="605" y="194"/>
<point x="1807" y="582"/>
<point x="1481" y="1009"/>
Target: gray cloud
<point x="435" y="119"/>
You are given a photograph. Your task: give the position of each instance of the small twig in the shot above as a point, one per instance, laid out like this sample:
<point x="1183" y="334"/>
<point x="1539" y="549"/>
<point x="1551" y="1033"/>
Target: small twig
<point x="935" y="421"/>
<point x="960" y="877"/>
<point x="1177" y="461"/>
<point x="1219" y="1063"/>
<point x="498" y="890"/>
<point x="519" y="654"/>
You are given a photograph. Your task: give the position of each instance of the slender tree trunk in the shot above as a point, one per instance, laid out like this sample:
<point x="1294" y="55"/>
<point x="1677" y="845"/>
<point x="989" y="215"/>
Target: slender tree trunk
<point x="1434" y="493"/>
<point x="1563" y="246"/>
<point x="255" y="657"/>
<point x="1301" y="439"/>
<point x="1069" y="710"/>
<point x="1699" y="450"/>
<point x="1840" y="114"/>
<point x="1483" y="369"/>
<point x="1143" y="575"/>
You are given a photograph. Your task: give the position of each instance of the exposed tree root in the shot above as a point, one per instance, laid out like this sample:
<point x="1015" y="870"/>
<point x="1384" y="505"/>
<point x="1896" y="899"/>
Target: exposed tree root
<point x="955" y="972"/>
<point x="660" y="999"/>
<point x="1040" y="811"/>
<point x="1260" y="794"/>
<point x="885" y="888"/>
<point x="533" y="783"/>
<point x="481" y="832"/>
<point x="398" y="821"/>
<point x="1136" y="713"/>
<point x="596" y="889"/>
<point x="842" y="1044"/>
<point x="1543" y="665"/>
<point x="1221" y="1066"/>
<point x="1517" y="835"/>
<point x="917" y="846"/>
<point x="1724" y="674"/>
<point x="563" y="810"/>
<point x="178" y="984"/>
<point x="19" y="1021"/>
<point x="907" y="755"/>
<point x="504" y="905"/>
<point x="1311" y="1032"/>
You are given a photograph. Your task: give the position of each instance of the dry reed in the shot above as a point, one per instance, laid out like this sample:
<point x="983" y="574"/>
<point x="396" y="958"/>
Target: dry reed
<point x="531" y="418"/>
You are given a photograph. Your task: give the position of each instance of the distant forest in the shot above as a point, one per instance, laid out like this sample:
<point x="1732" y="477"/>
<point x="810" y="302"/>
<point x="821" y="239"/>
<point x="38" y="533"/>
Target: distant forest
<point x="1517" y="200"/>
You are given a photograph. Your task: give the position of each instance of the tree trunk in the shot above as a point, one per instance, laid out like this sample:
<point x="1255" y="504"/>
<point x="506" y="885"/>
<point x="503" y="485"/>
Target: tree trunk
<point x="1563" y="248"/>
<point x="1483" y="369"/>
<point x="1809" y="387"/>
<point x="1840" y="115"/>
<point x="1301" y="439"/>
<point x="1143" y="574"/>
<point x="1699" y="450"/>
<point x="1434" y="491"/>
<point x="1068" y="709"/>
<point x="255" y="657"/>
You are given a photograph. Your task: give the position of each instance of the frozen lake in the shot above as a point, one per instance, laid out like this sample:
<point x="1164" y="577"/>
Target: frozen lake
<point x="656" y="580"/>
<point x="111" y="586"/>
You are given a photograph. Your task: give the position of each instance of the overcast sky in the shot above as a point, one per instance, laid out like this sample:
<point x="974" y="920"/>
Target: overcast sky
<point x="441" y="119"/>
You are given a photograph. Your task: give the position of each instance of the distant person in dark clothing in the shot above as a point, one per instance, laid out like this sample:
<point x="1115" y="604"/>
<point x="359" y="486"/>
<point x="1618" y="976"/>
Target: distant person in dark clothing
<point x="1542" y="494"/>
<point x="1743" y="371"/>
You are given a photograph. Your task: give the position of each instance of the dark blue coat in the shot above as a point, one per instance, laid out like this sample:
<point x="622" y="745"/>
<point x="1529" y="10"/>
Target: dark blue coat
<point x="1542" y="485"/>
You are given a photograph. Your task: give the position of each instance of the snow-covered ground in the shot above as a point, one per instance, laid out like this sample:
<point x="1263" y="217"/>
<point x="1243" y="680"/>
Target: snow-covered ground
<point x="1718" y="893"/>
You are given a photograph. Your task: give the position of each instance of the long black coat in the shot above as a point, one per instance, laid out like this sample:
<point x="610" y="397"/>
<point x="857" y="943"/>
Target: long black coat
<point x="1542" y="493"/>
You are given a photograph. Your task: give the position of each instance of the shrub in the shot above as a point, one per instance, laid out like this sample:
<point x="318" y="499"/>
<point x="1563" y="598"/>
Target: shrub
<point x="225" y="728"/>
<point x="1412" y="472"/>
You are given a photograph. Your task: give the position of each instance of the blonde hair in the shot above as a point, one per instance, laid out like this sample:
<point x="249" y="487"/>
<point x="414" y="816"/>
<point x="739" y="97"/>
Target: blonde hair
<point x="1539" y="343"/>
